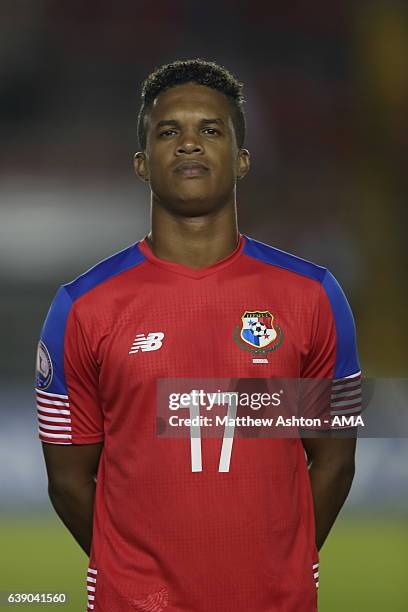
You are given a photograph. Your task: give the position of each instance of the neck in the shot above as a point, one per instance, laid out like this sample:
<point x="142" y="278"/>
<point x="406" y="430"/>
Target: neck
<point x="195" y="242"/>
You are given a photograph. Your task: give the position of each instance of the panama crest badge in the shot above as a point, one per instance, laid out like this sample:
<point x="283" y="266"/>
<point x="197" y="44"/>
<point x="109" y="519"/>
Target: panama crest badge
<point x="258" y="332"/>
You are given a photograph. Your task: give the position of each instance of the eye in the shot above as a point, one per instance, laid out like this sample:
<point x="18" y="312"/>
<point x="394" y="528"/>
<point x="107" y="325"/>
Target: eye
<point x="167" y="133"/>
<point x="211" y="131"/>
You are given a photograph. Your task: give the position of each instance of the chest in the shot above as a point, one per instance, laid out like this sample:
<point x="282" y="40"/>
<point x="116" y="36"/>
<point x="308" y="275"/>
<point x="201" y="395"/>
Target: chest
<point x="202" y="329"/>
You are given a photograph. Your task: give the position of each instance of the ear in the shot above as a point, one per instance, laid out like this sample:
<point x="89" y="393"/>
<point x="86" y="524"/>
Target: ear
<point x="140" y="166"/>
<point x="243" y="163"/>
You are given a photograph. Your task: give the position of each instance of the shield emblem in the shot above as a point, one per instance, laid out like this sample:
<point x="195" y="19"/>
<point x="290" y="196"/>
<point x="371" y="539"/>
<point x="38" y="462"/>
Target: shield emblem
<point x="257" y="329"/>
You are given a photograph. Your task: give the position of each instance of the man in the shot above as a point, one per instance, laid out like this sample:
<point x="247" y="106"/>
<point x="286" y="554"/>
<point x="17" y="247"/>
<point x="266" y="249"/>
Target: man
<point x="167" y="528"/>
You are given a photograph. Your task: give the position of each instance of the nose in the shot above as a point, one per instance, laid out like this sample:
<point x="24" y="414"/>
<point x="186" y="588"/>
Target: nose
<point x="189" y="143"/>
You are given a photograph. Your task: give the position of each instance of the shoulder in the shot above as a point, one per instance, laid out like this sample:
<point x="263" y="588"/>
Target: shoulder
<point x="86" y="285"/>
<point x="304" y="275"/>
<point x="332" y="308"/>
<point x="103" y="271"/>
<point x="286" y="261"/>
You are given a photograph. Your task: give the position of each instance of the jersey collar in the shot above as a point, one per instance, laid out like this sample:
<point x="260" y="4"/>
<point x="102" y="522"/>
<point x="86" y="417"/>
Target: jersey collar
<point x="197" y="273"/>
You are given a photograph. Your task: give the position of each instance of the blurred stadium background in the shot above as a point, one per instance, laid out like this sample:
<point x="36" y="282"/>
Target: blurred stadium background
<point x="327" y="99"/>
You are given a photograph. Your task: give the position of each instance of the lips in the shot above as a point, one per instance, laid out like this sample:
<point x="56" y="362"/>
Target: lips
<point x="191" y="168"/>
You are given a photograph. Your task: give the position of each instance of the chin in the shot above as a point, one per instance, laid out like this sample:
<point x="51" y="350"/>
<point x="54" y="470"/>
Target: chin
<point x="193" y="207"/>
<point x="192" y="198"/>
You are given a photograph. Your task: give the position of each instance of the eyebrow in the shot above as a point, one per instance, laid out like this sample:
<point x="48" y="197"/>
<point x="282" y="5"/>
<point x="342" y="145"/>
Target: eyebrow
<point x="175" y="123"/>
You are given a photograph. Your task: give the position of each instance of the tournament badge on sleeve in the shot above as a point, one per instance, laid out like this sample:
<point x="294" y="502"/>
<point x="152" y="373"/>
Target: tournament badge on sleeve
<point x="258" y="332"/>
<point x="44" y="370"/>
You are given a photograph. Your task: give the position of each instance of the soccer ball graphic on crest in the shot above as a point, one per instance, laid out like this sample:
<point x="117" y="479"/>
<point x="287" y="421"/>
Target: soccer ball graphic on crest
<point x="258" y="329"/>
<point x="258" y="333"/>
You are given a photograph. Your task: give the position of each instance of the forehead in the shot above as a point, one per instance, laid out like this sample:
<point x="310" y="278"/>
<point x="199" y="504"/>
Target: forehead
<point x="190" y="99"/>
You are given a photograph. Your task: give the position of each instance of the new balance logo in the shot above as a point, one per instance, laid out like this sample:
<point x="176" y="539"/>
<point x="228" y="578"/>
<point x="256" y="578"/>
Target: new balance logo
<point x="151" y="342"/>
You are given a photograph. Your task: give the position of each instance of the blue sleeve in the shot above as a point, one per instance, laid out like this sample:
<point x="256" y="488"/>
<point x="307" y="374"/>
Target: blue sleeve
<point x="347" y="361"/>
<point x="50" y="375"/>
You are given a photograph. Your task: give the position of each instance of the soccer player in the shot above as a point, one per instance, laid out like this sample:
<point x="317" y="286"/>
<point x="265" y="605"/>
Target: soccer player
<point x="172" y="523"/>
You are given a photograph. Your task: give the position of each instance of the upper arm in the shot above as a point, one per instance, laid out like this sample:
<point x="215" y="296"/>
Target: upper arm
<point x="71" y="465"/>
<point x="67" y="380"/>
<point x="331" y="368"/>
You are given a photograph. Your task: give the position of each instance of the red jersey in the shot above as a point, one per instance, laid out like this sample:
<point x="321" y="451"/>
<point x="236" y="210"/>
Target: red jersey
<point x="169" y="535"/>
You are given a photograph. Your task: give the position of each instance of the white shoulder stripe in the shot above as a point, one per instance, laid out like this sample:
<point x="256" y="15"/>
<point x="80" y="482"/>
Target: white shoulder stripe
<point x="347" y="391"/>
<point x="355" y="410"/>
<point x="46" y="393"/>
<point x="51" y="435"/>
<point x="347" y="377"/>
<point x="52" y="410"/>
<point x="53" y="419"/>
<point x="57" y="427"/>
<point x="43" y="400"/>
<point x="347" y="402"/>
<point x="60" y="442"/>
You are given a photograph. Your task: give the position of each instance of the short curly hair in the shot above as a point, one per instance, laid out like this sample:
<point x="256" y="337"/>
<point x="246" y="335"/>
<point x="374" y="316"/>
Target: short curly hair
<point x="196" y="71"/>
